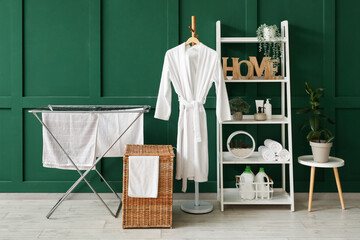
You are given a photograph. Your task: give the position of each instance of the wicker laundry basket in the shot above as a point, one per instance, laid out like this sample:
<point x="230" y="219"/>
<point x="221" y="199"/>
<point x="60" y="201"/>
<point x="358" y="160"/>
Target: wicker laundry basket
<point x="149" y="212"/>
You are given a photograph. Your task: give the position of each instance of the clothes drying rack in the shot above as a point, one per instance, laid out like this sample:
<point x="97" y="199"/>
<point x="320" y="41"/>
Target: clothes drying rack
<point x="98" y="109"/>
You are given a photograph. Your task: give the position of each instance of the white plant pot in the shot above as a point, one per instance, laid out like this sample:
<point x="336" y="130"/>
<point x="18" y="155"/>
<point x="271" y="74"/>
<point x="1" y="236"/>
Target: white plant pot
<point x="269" y="34"/>
<point x="321" y="151"/>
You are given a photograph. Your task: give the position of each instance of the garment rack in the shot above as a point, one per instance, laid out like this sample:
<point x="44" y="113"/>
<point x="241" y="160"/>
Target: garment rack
<point x="196" y="206"/>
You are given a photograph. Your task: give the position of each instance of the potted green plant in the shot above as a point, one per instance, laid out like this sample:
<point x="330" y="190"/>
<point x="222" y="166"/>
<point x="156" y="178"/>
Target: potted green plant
<point x="238" y="106"/>
<point x="269" y="40"/>
<point x="319" y="137"/>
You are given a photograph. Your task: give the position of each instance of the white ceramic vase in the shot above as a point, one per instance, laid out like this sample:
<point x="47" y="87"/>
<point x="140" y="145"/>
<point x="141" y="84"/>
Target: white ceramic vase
<point x="321" y="151"/>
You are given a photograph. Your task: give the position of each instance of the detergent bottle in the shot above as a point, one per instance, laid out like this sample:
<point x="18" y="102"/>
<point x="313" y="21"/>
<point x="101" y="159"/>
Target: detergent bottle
<point x="262" y="184"/>
<point x="247" y="190"/>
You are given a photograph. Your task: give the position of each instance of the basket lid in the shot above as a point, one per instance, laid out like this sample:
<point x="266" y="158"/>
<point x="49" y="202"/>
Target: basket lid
<point x="149" y="150"/>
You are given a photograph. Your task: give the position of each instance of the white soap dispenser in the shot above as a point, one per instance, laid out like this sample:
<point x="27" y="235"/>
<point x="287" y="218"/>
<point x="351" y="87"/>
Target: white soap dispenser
<point x="268" y="109"/>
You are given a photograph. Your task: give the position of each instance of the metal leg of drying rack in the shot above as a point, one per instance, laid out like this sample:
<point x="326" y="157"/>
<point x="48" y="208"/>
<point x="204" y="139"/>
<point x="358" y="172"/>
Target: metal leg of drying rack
<point x="83" y="175"/>
<point x="197" y="207"/>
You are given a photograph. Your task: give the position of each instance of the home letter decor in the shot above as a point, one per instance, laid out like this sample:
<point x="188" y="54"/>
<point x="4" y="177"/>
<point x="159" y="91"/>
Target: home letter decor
<point x="235" y="69"/>
<point x="266" y="70"/>
<point x="250" y="73"/>
<point x="270" y="69"/>
<point x="274" y="69"/>
<point x="259" y="70"/>
<point x="225" y="67"/>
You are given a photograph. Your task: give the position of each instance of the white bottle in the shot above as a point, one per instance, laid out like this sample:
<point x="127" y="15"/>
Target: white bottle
<point x="247" y="190"/>
<point x="268" y="109"/>
<point x="262" y="184"/>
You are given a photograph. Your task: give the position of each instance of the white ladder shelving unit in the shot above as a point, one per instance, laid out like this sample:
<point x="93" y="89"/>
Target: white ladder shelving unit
<point x="231" y="196"/>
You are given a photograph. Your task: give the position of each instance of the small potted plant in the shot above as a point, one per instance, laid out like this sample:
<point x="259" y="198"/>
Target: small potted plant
<point x="319" y="137"/>
<point x="269" y="40"/>
<point x="238" y="106"/>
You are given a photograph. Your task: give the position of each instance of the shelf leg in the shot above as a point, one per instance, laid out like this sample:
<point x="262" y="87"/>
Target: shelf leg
<point x="312" y="178"/>
<point x="336" y="173"/>
<point x="284" y="146"/>
<point x="221" y="170"/>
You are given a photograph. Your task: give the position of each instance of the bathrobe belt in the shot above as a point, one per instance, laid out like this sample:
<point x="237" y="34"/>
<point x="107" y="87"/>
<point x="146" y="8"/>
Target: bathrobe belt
<point x="195" y="106"/>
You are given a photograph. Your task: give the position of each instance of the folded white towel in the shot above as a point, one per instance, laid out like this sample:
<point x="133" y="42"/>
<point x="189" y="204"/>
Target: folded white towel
<point x="76" y="132"/>
<point x="143" y="176"/>
<point x="273" y="145"/>
<point x="284" y="155"/>
<point x="111" y="126"/>
<point x="266" y="153"/>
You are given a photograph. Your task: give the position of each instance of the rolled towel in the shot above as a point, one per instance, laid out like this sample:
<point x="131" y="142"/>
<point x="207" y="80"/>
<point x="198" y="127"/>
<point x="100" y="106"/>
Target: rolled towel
<point x="273" y="145"/>
<point x="284" y="155"/>
<point x="266" y="153"/>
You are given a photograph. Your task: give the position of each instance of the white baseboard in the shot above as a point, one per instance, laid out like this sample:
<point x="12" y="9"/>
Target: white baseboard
<point x="177" y="196"/>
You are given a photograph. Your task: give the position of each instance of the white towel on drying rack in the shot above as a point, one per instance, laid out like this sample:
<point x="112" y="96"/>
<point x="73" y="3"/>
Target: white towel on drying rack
<point x="76" y="132"/>
<point x="112" y="125"/>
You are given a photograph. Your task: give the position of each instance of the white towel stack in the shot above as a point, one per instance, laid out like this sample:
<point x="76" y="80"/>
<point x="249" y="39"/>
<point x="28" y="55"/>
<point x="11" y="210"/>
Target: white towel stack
<point x="273" y="151"/>
<point x="273" y="145"/>
<point x="266" y="153"/>
<point x="284" y="155"/>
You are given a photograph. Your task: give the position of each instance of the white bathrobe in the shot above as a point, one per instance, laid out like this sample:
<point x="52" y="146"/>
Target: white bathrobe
<point x="192" y="70"/>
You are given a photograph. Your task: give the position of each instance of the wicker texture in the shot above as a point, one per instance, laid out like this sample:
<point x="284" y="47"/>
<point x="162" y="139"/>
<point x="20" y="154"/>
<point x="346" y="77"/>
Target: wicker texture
<point x="150" y="212"/>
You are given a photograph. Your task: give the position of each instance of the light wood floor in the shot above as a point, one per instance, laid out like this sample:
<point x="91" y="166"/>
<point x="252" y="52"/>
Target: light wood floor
<point x="88" y="219"/>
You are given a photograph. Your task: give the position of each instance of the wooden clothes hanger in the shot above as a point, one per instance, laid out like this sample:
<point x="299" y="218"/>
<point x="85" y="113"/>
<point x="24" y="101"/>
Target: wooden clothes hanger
<point x="193" y="39"/>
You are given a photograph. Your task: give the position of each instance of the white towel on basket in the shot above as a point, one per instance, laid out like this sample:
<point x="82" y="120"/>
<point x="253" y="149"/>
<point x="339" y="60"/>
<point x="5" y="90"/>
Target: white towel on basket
<point x="143" y="176"/>
<point x="284" y="155"/>
<point x="76" y="132"/>
<point x="111" y="126"/>
<point x="266" y="153"/>
<point x="273" y="146"/>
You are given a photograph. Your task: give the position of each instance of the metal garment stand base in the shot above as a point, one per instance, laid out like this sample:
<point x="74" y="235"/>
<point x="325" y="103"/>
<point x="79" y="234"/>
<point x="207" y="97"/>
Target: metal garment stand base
<point x="83" y="175"/>
<point x="196" y="206"/>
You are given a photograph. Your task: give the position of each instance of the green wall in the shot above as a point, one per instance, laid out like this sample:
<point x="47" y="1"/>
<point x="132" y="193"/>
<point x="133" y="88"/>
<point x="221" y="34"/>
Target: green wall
<point x="111" y="52"/>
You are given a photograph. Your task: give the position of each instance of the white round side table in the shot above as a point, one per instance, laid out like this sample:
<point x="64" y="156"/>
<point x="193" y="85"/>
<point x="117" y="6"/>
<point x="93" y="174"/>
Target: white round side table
<point x="334" y="163"/>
